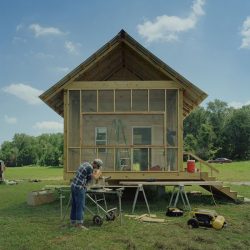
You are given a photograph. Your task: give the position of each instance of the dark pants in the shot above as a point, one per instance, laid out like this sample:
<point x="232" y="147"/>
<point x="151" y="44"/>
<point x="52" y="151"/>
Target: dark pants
<point x="77" y="205"/>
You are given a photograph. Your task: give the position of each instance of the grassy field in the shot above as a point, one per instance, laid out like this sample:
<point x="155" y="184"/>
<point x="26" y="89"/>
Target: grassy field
<point x="236" y="171"/>
<point x="27" y="227"/>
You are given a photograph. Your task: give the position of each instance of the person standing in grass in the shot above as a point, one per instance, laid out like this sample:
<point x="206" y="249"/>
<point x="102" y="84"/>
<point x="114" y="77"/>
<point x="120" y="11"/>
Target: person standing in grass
<point x="2" y="169"/>
<point x="84" y="174"/>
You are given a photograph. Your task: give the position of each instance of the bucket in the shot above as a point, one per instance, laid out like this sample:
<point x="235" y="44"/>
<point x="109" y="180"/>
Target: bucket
<point x="191" y="166"/>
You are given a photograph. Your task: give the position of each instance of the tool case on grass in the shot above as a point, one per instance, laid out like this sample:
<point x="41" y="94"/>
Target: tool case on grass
<point x="174" y="212"/>
<point x="36" y="198"/>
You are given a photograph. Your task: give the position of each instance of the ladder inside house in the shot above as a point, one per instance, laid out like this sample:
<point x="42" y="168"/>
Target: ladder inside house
<point x="122" y="155"/>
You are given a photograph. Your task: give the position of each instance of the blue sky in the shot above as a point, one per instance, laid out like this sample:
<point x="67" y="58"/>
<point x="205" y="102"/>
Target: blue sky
<point x="206" y="41"/>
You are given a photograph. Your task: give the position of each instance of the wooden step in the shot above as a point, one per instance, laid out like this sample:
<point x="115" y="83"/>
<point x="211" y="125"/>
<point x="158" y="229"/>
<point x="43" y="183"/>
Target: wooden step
<point x="240" y="199"/>
<point x="211" y="178"/>
<point x="222" y="191"/>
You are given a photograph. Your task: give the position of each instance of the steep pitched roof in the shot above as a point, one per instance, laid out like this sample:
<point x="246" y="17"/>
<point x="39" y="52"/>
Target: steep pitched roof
<point x="111" y="62"/>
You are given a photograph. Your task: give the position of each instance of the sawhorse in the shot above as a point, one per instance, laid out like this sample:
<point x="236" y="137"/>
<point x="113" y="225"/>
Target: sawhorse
<point x="140" y="188"/>
<point x="179" y="191"/>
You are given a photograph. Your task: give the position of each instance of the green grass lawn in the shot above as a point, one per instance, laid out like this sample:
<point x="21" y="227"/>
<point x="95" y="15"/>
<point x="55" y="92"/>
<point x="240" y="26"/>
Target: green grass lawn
<point x="34" y="172"/>
<point x="236" y="171"/>
<point x="26" y="227"/>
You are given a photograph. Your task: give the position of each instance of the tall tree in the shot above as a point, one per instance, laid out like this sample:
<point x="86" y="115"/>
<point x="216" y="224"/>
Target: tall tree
<point x="193" y="122"/>
<point x="26" y="150"/>
<point x="9" y="153"/>
<point x="237" y="134"/>
<point x="218" y="113"/>
<point x="205" y="139"/>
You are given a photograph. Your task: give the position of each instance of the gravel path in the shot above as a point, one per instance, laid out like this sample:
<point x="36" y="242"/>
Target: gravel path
<point x="240" y="183"/>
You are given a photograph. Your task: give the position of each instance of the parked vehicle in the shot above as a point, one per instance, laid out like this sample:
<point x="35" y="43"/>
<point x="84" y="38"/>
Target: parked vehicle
<point x="220" y="160"/>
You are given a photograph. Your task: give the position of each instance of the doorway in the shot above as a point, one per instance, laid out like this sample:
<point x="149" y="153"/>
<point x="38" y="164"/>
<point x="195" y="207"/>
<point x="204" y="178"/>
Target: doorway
<point x="142" y="155"/>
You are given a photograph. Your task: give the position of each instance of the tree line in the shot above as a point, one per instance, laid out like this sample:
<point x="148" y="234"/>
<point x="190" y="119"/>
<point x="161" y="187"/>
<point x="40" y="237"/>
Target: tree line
<point x="218" y="131"/>
<point x="215" y="131"/>
<point x="43" y="150"/>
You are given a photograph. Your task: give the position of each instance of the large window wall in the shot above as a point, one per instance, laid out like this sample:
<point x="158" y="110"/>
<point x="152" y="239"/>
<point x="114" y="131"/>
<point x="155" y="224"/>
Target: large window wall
<point x="130" y="129"/>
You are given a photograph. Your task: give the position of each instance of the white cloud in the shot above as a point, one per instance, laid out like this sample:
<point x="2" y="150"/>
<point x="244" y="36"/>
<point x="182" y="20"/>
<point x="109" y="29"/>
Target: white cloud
<point x="19" y="27"/>
<point x="72" y="48"/>
<point x="17" y="39"/>
<point x="38" y="30"/>
<point x="24" y="92"/>
<point x="167" y="28"/>
<point x="10" y="120"/>
<point x="245" y="33"/>
<point x="238" y="104"/>
<point x="42" y="55"/>
<point x="62" y="69"/>
<point x="49" y="126"/>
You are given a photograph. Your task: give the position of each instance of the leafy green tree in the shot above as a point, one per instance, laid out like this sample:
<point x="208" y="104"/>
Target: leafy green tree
<point x="218" y="113"/>
<point x="25" y="146"/>
<point x="50" y="149"/>
<point x="9" y="153"/>
<point x="205" y="139"/>
<point x="193" y="122"/>
<point x="237" y="134"/>
<point x="45" y="150"/>
<point x="190" y="143"/>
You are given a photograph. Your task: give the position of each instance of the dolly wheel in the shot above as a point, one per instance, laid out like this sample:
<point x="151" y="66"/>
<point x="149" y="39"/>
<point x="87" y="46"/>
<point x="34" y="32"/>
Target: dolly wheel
<point x="111" y="215"/>
<point x="193" y="223"/>
<point x="97" y="220"/>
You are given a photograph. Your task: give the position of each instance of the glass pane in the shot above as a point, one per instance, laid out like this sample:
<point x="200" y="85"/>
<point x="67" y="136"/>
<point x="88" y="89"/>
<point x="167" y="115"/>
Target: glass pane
<point x="88" y="129"/>
<point x="123" y="159"/>
<point x="139" y="100"/>
<point x="157" y="100"/>
<point x="172" y="159"/>
<point x="122" y="100"/>
<point x="158" y="160"/>
<point x="142" y="136"/>
<point x="101" y="138"/>
<point x="74" y="118"/>
<point x="101" y="134"/>
<point x="141" y="159"/>
<point x="89" y="101"/>
<point x="172" y="118"/>
<point x="108" y="159"/>
<point x="106" y="101"/>
<point x="119" y="129"/>
<point x="88" y="154"/>
<point x="73" y="159"/>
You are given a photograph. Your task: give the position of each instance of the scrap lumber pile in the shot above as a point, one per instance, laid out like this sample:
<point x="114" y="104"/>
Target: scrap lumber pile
<point x="146" y="218"/>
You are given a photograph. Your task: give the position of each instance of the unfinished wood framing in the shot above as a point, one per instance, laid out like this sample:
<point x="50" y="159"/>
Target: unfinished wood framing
<point x="125" y="106"/>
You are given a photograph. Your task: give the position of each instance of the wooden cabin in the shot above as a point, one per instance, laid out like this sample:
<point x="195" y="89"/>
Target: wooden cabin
<point x="125" y="106"/>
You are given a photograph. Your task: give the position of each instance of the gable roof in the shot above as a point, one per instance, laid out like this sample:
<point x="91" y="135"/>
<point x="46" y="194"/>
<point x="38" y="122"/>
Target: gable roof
<point x="112" y="60"/>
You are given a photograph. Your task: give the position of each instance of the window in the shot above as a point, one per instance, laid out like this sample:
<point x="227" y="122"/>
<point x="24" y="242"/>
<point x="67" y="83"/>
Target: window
<point x="101" y="138"/>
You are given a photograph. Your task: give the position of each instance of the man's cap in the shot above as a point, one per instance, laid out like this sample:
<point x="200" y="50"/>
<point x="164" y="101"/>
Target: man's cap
<point x="98" y="162"/>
